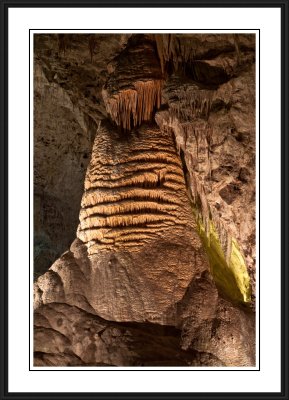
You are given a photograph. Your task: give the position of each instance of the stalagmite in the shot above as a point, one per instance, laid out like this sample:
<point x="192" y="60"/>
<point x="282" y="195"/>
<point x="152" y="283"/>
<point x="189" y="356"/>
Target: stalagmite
<point x="138" y="187"/>
<point x="161" y="249"/>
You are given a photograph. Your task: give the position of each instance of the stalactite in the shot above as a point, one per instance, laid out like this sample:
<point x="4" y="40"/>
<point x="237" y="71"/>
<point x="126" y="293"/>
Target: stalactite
<point x="191" y="103"/>
<point x="197" y="136"/>
<point x="63" y="42"/>
<point x="91" y="46"/>
<point x="171" y="49"/>
<point x="237" y="47"/>
<point x="166" y="50"/>
<point x="161" y="51"/>
<point x="130" y="107"/>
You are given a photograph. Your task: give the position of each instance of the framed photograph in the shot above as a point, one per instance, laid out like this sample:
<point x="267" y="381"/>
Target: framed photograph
<point x="144" y="200"/>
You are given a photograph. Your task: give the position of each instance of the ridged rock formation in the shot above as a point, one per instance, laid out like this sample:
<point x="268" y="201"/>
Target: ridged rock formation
<point x="135" y="213"/>
<point x="162" y="270"/>
<point x="134" y="186"/>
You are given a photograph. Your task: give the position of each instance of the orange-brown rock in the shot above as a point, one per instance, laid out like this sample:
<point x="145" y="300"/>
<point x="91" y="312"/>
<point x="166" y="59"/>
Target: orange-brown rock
<point x="164" y="253"/>
<point x="133" y="90"/>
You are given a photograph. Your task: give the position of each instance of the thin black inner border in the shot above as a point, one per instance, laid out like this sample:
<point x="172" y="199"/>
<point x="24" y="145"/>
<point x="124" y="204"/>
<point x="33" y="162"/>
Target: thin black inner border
<point x="140" y="368"/>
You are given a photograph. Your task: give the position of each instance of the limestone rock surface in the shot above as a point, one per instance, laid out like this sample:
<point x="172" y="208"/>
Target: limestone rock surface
<point x="144" y="170"/>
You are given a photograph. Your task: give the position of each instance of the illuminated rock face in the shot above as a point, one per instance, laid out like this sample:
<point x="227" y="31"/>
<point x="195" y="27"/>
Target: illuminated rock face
<point x="138" y="226"/>
<point x="162" y="252"/>
<point x="215" y="137"/>
<point x="131" y="106"/>
<point x="134" y="190"/>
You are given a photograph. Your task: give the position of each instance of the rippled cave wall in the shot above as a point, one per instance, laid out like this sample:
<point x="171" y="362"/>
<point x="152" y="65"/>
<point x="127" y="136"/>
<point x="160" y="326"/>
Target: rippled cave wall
<point x="144" y="199"/>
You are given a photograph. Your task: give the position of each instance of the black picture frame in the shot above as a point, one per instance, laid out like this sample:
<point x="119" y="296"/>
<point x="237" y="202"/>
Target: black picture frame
<point x="283" y="5"/>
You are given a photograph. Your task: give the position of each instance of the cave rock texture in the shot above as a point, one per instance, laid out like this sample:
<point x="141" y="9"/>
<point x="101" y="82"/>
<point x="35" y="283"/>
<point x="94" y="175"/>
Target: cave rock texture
<point x="144" y="200"/>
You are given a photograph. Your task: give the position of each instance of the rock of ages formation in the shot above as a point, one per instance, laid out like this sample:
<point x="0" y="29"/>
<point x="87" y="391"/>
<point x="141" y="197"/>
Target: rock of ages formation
<point x="161" y="271"/>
